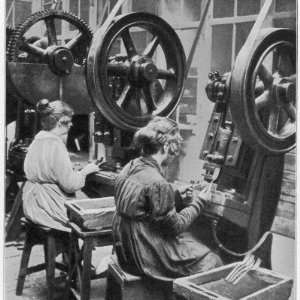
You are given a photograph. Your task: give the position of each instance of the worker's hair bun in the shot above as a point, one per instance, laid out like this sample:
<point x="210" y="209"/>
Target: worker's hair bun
<point x="43" y="107"/>
<point x="160" y="130"/>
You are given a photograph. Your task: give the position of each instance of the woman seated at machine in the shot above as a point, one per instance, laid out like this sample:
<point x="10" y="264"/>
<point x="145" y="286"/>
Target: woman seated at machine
<point x="150" y="236"/>
<point x="51" y="179"/>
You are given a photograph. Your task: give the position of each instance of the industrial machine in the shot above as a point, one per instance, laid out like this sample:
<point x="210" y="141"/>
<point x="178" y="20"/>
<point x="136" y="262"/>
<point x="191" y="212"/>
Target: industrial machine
<point x="115" y="88"/>
<point x="253" y="124"/>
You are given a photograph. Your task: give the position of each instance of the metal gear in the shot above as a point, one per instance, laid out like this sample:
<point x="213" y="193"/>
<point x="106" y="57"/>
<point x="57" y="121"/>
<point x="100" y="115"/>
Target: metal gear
<point x="46" y="49"/>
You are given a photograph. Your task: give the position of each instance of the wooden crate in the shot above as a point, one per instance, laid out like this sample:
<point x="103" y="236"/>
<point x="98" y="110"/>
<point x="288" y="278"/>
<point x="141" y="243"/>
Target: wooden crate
<point x="92" y="214"/>
<point x="260" y="284"/>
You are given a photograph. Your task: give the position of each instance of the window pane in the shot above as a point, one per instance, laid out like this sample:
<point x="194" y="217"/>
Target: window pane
<point x="74" y="8"/>
<point x="285" y="5"/>
<point x="192" y="10"/>
<point x="140" y="40"/>
<point x="245" y="7"/>
<point x="149" y="6"/>
<point x="223" y="8"/>
<point x="84" y="11"/>
<point x="221" y="48"/>
<point x="170" y="10"/>
<point x="188" y="102"/>
<point x="242" y="31"/>
<point x="285" y="23"/>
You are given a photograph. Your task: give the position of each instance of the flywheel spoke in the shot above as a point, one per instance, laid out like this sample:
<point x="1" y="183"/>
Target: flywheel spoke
<point x="288" y="128"/>
<point x="128" y="42"/>
<point x="291" y="111"/>
<point x="151" y="47"/>
<point x="32" y="49"/>
<point x="51" y="31"/>
<point x="72" y="43"/>
<point x="263" y="100"/>
<point x="273" y="120"/>
<point x="259" y="88"/>
<point x="151" y="106"/>
<point x="125" y="96"/>
<point x="292" y="78"/>
<point x="166" y="74"/>
<point x="265" y="76"/>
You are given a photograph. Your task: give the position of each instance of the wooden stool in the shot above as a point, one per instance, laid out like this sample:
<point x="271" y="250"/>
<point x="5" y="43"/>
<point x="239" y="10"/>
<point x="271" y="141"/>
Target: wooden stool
<point x="40" y="235"/>
<point x="124" y="286"/>
<point x="80" y="269"/>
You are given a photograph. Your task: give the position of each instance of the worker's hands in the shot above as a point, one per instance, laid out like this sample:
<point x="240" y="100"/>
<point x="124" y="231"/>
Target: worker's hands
<point x="185" y="190"/>
<point x="90" y="168"/>
<point x="205" y="194"/>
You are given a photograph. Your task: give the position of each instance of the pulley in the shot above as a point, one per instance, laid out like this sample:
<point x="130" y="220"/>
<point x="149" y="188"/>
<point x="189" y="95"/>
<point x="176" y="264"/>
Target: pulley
<point x="128" y="83"/>
<point x="261" y="91"/>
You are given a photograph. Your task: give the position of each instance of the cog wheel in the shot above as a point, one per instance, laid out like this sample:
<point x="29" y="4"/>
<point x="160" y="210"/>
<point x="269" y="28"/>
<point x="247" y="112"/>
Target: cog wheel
<point x="25" y="45"/>
<point x="9" y="33"/>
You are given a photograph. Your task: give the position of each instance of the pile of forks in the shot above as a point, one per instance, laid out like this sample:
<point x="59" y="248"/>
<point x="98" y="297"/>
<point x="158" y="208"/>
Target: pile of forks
<point x="250" y="262"/>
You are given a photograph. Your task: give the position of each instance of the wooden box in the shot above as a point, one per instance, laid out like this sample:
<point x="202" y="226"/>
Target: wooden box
<point x="92" y="214"/>
<point x="259" y="284"/>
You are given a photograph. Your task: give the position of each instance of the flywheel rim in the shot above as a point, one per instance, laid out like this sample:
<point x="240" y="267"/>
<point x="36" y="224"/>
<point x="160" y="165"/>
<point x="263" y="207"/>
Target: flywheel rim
<point x="98" y="68"/>
<point x="243" y="84"/>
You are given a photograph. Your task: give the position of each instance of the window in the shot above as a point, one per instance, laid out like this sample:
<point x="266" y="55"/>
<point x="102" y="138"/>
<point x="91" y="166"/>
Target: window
<point x="232" y="22"/>
<point x="245" y="8"/>
<point x="150" y="6"/>
<point x="285" y="5"/>
<point x="180" y="11"/>
<point x="221" y="47"/>
<point x="223" y="8"/>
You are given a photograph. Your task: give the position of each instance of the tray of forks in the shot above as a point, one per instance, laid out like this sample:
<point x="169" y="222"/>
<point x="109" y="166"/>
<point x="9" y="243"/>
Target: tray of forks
<point x="257" y="283"/>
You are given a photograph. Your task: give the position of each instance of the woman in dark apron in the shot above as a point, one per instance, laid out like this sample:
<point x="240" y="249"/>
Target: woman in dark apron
<point x="151" y="236"/>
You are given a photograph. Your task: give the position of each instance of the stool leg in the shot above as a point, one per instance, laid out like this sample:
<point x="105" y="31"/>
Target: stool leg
<point x="86" y="270"/>
<point x="71" y="261"/>
<point x="113" y="291"/>
<point x="24" y="264"/>
<point x="50" y="253"/>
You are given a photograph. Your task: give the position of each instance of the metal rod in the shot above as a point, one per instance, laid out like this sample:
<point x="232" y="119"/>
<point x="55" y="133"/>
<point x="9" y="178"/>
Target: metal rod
<point x="258" y="23"/>
<point x="112" y="14"/>
<point x="195" y="42"/>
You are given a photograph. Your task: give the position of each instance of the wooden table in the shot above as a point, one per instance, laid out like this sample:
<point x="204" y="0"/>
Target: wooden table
<point x="80" y="267"/>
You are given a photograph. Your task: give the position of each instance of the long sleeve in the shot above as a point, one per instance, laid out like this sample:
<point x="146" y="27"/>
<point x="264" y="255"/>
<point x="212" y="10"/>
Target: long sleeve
<point x="161" y="197"/>
<point x="68" y="179"/>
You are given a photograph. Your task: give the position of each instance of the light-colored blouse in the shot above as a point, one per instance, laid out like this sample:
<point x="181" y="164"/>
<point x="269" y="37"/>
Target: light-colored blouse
<point x="50" y="181"/>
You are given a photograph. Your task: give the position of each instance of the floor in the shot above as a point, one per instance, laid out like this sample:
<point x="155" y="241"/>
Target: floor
<point x="35" y="284"/>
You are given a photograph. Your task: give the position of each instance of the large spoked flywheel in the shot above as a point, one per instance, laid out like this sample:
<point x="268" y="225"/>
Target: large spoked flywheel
<point x="263" y="91"/>
<point x="129" y="81"/>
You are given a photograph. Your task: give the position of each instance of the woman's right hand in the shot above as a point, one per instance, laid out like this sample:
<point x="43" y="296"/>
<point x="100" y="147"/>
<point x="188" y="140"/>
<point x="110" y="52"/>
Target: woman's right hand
<point x="90" y="168"/>
<point x="203" y="197"/>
